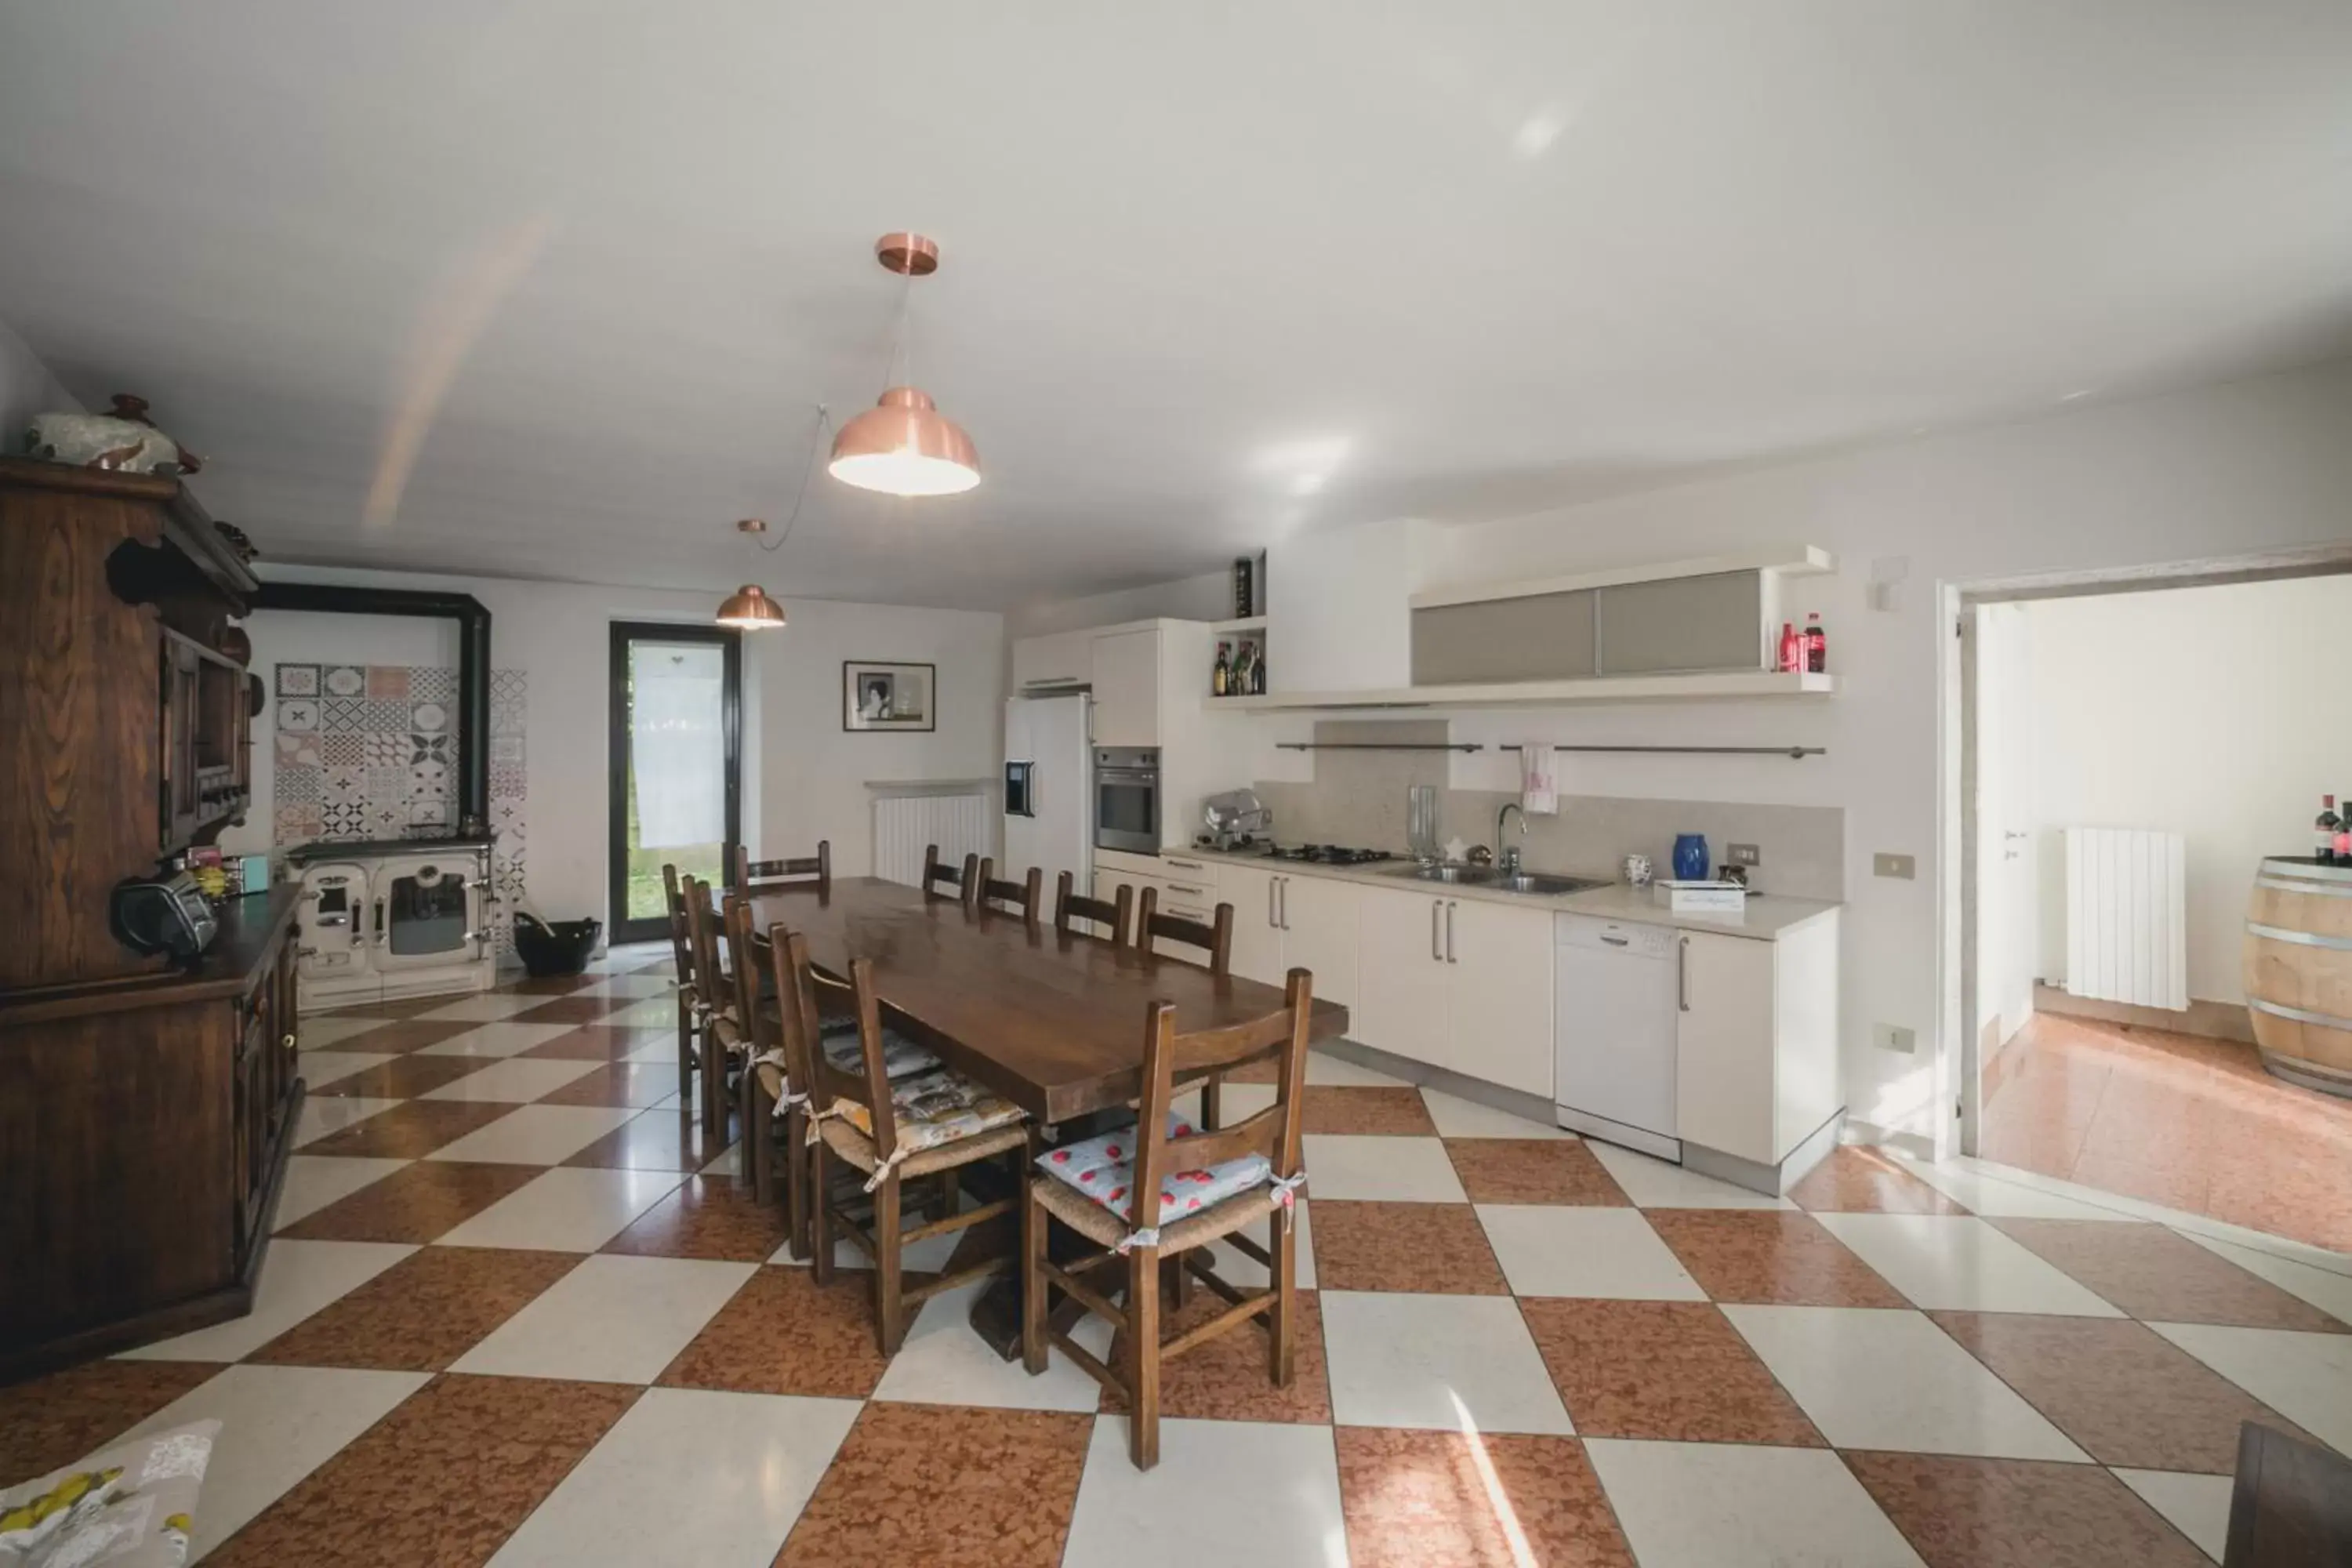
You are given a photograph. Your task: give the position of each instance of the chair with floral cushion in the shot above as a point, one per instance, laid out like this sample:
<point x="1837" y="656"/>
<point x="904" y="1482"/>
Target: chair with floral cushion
<point x="959" y="880"/>
<point x="689" y="994"/>
<point x="753" y="876"/>
<point x="722" y="1045"/>
<point x="1145" y="1195"/>
<point x="1071" y="905"/>
<point x="933" y="1123"/>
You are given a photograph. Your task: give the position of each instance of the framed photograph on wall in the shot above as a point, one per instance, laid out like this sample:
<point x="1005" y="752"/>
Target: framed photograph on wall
<point x="884" y="698"/>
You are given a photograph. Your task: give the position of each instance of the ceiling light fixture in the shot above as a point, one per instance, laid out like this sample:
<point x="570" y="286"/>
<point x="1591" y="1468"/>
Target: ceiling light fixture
<point x="749" y="608"/>
<point x="904" y="446"/>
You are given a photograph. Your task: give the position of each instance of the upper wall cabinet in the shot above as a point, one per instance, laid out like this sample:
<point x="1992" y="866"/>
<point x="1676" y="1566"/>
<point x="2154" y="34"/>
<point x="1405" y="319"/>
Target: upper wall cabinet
<point x="1062" y="659"/>
<point x="1125" y="667"/>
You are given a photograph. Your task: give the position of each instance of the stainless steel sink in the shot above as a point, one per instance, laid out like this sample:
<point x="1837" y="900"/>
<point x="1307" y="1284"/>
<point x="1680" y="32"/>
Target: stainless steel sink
<point x="1535" y="884"/>
<point x="1453" y="874"/>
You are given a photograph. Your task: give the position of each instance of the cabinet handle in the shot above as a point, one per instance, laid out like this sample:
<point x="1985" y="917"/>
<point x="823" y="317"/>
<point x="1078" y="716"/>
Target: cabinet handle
<point x="1285" y="903"/>
<point x="1449" y="933"/>
<point x="1617" y="940"/>
<point x="1186" y="865"/>
<point x="1681" y="978"/>
<point x="1436" y="941"/>
<point x="1185" y="887"/>
<point x="290" y="1042"/>
<point x="1272" y="920"/>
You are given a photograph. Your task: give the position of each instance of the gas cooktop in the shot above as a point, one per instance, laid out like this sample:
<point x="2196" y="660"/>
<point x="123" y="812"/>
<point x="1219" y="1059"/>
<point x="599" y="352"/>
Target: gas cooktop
<point x="1326" y="854"/>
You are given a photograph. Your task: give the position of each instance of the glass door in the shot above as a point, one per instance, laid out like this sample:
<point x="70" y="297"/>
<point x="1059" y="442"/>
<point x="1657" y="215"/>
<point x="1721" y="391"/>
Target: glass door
<point x="676" y="765"/>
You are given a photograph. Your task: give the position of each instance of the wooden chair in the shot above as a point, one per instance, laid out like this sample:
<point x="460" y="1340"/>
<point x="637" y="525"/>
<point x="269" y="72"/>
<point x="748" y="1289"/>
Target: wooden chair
<point x="1215" y="942"/>
<point x="1152" y="1232"/>
<point x="1070" y="905"/>
<point x="758" y="876"/>
<point x="1025" y="897"/>
<point x="722" y="1031"/>
<point x="888" y="1150"/>
<point x="689" y="993"/>
<point x="762" y="1083"/>
<point x="937" y="874"/>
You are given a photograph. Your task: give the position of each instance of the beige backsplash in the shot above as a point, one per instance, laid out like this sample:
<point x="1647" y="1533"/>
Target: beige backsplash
<point x="1359" y="798"/>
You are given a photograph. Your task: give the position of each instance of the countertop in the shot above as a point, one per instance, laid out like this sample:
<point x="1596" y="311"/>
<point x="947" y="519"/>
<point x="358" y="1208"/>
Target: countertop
<point x="249" y="931"/>
<point x="1766" y="917"/>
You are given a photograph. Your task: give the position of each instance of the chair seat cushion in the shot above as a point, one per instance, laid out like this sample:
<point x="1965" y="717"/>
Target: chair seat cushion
<point x="1102" y="1170"/>
<point x="857" y="1149"/>
<point x="934" y="1108"/>
<point x="901" y="1058"/>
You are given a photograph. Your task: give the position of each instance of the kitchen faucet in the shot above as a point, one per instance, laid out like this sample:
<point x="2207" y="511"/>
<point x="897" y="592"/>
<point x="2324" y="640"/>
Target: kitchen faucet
<point x="1509" y="857"/>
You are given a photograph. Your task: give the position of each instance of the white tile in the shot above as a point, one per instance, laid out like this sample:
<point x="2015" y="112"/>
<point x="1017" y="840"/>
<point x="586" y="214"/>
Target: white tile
<point x="611" y="1320"/>
<point x="2329" y="1291"/>
<point x="1698" y="1505"/>
<point x="657" y="1048"/>
<point x="2307" y="1378"/>
<point x="319" y="1068"/>
<point x="297" y="1278"/>
<point x="1374" y="1169"/>
<point x="1877" y="1378"/>
<point x="723" y="1162"/>
<point x="1276" y="1491"/>
<point x="1959" y="1264"/>
<point x="566" y="1210"/>
<point x="1440" y="1362"/>
<point x="1663" y="1185"/>
<point x="1322" y="1066"/>
<point x="1996" y="1199"/>
<point x="320" y="1030"/>
<point x="1604" y="1252"/>
<point x="944" y="1362"/>
<point x="505" y="1038"/>
<point x="314" y="1181"/>
<point x="277" y="1424"/>
<point x="517" y="1080"/>
<point x="1248" y="1273"/>
<point x="325" y="1113"/>
<point x="732" y="1471"/>
<point x="1459" y="1117"/>
<point x="636" y="986"/>
<point x="484" y="1006"/>
<point x="535" y="1134"/>
<point x="652" y="1013"/>
<point x="1237" y="1102"/>
<point x="2197" y="1506"/>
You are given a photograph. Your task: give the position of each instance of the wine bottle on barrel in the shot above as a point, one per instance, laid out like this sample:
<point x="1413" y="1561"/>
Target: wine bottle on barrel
<point x="2325" y="829"/>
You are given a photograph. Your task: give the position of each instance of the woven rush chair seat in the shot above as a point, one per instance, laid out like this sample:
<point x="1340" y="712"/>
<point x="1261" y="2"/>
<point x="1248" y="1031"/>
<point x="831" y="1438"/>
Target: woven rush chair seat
<point x="856" y="1147"/>
<point x="1099" y="1225"/>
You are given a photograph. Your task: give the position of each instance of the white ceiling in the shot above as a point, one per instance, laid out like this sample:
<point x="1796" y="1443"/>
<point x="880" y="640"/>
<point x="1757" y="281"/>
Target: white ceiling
<point x="561" y="283"/>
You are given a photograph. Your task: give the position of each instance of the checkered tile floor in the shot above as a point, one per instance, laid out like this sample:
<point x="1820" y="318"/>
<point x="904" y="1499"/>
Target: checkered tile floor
<point x="519" y="1311"/>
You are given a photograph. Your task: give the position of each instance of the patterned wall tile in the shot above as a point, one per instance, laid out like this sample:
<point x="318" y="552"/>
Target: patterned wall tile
<point x="297" y="750"/>
<point x="344" y="680"/>
<point x="298" y="680"/>
<point x="428" y="718"/>
<point x="298" y="824"/>
<point x="342" y="714"/>
<point x="386" y="749"/>
<point x="432" y="683"/>
<point x="298" y="713"/>
<point x="388" y="682"/>
<point x="442" y="749"/>
<point x="378" y="716"/>
<point x="298" y="784"/>
<point x="343" y="749"/>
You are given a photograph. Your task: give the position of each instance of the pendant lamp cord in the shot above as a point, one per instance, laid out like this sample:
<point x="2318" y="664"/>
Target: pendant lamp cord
<point x="898" y="349"/>
<point x="816" y="445"/>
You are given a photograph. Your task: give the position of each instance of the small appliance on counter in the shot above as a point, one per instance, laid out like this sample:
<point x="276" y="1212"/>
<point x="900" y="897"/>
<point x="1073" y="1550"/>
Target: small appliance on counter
<point x="162" y="915"/>
<point x="1697" y="896"/>
<point x="1236" y="819"/>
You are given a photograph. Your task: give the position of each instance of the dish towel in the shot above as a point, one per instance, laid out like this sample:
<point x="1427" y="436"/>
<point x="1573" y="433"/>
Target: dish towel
<point x="1539" y="783"/>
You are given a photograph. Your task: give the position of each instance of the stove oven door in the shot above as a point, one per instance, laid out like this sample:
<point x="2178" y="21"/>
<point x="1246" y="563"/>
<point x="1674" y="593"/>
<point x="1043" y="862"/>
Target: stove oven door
<point x="334" y="922"/>
<point x="427" y="910"/>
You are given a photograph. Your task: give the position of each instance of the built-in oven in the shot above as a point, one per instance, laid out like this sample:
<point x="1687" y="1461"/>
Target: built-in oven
<point x="1127" y="799"/>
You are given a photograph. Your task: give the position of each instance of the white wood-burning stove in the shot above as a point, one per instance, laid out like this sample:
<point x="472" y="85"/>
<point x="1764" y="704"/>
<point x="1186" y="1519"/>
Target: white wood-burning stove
<point x="384" y="921"/>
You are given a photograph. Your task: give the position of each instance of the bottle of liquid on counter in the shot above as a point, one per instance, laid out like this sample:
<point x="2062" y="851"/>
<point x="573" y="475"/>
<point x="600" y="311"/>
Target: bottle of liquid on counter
<point x="1817" y="645"/>
<point x="2343" y="835"/>
<point x="2325" y="830"/>
<point x="1792" y="649"/>
<point x="1220" y="678"/>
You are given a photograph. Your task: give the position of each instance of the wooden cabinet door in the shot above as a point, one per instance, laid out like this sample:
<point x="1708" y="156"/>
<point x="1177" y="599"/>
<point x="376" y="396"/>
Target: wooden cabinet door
<point x="1258" y="933"/>
<point x="1125" y="672"/>
<point x="1402" y="981"/>
<point x="1724" y="1040"/>
<point x="1319" y="932"/>
<point x="1499" y="994"/>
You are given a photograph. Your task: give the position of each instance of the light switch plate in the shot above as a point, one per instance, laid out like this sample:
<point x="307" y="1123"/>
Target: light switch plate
<point x="1744" y="854"/>
<point x="1895" y="1037"/>
<point x="1901" y="867"/>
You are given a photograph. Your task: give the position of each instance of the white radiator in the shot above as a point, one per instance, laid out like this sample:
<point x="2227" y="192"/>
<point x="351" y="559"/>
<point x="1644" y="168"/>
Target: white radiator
<point x="2126" y="917"/>
<point x="903" y="825"/>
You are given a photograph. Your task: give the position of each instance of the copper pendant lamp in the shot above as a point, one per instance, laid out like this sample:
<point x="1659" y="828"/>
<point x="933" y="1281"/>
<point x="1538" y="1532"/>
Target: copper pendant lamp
<point x="749" y="609"/>
<point x="904" y="446"/>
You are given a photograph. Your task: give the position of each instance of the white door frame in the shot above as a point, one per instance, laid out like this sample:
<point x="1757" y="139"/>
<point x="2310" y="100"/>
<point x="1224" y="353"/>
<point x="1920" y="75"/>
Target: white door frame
<point x="1961" y="1057"/>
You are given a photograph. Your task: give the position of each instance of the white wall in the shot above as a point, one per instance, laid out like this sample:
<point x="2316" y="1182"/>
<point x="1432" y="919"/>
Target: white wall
<point x="2219" y="713"/>
<point x="803" y="775"/>
<point x="2224" y="471"/>
<point x="27" y="388"/>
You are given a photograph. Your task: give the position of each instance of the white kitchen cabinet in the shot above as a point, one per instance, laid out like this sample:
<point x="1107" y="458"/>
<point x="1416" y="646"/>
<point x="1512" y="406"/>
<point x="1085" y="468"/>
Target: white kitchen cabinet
<point x="1257" y="922"/>
<point x="1498" y="994"/>
<point x="1756" y="1040"/>
<point x="1319" y="932"/>
<point x="1124" y="669"/>
<point x="1062" y="658"/>
<point x="1189" y="891"/>
<point x="1400" y="990"/>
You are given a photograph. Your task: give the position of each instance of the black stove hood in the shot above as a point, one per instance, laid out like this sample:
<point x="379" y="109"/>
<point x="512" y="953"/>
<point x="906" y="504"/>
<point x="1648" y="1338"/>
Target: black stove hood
<point x="473" y="672"/>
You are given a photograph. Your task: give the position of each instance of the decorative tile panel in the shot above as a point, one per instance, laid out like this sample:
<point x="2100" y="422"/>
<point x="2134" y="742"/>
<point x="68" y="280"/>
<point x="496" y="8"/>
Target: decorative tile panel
<point x="298" y="680"/>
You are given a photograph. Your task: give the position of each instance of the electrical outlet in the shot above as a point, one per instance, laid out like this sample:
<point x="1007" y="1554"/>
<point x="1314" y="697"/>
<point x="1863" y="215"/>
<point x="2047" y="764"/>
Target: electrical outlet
<point x="1895" y="1037"/>
<point x="1744" y="854"/>
<point x="1903" y="867"/>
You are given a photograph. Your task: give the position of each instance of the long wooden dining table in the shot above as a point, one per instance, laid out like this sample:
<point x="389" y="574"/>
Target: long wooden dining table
<point x="1053" y="1021"/>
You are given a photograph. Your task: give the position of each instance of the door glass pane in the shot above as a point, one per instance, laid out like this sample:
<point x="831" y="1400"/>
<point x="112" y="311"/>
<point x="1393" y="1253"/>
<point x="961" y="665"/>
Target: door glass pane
<point x="677" y="767"/>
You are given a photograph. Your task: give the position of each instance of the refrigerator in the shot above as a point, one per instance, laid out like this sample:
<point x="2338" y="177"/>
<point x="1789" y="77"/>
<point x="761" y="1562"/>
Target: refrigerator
<point x="1049" y="788"/>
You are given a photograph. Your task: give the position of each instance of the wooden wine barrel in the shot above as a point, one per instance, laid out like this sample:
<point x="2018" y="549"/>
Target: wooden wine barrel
<point x="2299" y="972"/>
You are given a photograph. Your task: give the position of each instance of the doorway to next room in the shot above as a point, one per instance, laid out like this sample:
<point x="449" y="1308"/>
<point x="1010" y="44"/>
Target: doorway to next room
<point x="676" y="752"/>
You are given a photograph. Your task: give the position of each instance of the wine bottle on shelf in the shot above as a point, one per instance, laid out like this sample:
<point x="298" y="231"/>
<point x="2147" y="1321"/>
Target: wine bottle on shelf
<point x="1817" y="645"/>
<point x="2344" y="834"/>
<point x="2325" y="830"/>
<point x="1243" y="662"/>
<point x="1220" y="678"/>
<point x="1258" y="674"/>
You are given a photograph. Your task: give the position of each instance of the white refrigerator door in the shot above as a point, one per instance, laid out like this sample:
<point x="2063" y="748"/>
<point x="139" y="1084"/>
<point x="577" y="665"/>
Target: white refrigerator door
<point x="1050" y="734"/>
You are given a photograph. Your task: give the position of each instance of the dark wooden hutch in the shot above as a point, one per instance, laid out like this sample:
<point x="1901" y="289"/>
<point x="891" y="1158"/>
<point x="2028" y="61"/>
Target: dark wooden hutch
<point x="145" y="1108"/>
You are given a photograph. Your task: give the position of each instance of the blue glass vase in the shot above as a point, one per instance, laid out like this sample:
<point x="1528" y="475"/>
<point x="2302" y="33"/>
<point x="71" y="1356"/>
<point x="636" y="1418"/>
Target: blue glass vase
<point x="1690" y="856"/>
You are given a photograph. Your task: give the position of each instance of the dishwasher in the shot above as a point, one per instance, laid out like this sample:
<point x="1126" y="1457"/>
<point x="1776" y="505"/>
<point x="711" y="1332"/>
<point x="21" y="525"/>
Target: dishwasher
<point x="1618" y="991"/>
